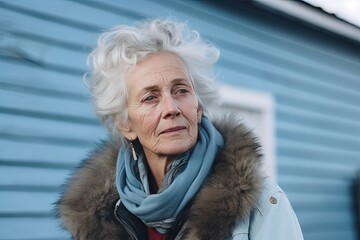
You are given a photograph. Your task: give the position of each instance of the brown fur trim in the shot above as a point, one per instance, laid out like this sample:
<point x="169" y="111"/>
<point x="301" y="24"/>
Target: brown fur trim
<point x="86" y="207"/>
<point x="231" y="191"/>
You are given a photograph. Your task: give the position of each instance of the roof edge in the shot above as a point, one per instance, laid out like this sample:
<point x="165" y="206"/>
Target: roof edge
<point x="310" y="14"/>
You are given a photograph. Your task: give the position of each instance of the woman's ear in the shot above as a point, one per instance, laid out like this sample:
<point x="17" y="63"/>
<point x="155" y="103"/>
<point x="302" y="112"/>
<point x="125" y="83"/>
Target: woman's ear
<point x="127" y="131"/>
<point x="199" y="113"/>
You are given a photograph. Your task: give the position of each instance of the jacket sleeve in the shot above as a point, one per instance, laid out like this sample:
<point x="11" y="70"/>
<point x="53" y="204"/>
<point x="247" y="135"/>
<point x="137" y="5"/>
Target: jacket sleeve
<point x="274" y="217"/>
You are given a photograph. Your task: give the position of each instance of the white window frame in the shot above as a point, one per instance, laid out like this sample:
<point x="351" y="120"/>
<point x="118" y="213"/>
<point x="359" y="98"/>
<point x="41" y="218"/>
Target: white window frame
<point x="263" y="104"/>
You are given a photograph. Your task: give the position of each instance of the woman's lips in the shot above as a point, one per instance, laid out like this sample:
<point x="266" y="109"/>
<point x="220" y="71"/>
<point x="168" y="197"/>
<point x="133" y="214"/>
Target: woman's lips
<point x="173" y="129"/>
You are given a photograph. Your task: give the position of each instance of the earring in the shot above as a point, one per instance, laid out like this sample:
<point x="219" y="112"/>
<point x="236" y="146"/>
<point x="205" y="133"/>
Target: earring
<point x="133" y="150"/>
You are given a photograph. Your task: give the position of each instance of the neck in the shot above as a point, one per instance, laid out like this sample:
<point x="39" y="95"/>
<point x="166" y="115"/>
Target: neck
<point x="158" y="166"/>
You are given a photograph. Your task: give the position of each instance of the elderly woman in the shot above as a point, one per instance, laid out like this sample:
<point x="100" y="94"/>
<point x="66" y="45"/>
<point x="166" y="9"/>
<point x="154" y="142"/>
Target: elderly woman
<point x="168" y="172"/>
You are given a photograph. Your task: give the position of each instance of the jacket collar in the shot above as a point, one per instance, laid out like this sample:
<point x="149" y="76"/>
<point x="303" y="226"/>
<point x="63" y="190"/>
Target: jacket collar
<point x="228" y="195"/>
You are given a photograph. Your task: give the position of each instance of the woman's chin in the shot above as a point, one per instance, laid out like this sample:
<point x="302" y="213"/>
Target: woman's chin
<point x="175" y="147"/>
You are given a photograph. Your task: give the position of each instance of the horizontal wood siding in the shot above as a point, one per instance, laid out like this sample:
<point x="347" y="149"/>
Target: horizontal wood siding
<point x="47" y="124"/>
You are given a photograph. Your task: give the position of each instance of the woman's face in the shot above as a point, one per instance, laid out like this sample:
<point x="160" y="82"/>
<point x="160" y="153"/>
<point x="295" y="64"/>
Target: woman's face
<point x="162" y="107"/>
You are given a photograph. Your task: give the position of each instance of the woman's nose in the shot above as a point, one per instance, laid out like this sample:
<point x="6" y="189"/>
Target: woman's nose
<point x="171" y="108"/>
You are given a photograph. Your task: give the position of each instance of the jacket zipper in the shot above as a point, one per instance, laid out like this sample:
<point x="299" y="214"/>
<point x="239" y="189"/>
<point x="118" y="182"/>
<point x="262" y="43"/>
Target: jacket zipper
<point x="124" y="223"/>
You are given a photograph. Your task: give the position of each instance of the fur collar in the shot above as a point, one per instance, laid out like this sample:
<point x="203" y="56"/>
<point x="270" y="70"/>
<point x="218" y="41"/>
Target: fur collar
<point x="227" y="197"/>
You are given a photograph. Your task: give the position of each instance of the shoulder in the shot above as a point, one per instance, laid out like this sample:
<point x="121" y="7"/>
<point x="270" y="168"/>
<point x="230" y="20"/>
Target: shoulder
<point x="271" y="195"/>
<point x="274" y="215"/>
<point x="90" y="192"/>
<point x="232" y="188"/>
<point x="272" y="218"/>
<point x="93" y="176"/>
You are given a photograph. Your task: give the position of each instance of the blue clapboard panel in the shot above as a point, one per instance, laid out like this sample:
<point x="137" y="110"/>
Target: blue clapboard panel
<point x="32" y="176"/>
<point x="37" y="103"/>
<point x="47" y="124"/>
<point x="31" y="227"/>
<point x="33" y="77"/>
<point x="46" y="128"/>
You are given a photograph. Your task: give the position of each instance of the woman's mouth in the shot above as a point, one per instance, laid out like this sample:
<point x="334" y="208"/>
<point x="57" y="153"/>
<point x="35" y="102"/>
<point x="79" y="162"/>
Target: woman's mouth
<point x="173" y="129"/>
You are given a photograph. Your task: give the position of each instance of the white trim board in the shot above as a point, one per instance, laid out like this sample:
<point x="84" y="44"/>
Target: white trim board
<point x="263" y="105"/>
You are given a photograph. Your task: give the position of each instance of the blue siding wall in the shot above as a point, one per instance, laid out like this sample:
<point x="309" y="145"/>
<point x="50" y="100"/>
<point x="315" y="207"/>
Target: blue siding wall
<point x="47" y="124"/>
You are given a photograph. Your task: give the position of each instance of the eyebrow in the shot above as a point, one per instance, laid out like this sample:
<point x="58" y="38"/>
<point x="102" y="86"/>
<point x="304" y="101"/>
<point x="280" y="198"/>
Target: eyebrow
<point x="176" y="81"/>
<point x="181" y="81"/>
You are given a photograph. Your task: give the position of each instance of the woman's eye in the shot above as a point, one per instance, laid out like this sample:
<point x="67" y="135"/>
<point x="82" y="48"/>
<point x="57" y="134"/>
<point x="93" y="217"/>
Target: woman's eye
<point x="183" y="90"/>
<point x="149" y="98"/>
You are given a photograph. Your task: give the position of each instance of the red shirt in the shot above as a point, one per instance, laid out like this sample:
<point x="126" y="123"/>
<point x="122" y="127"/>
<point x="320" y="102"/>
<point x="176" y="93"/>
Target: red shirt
<point x="155" y="235"/>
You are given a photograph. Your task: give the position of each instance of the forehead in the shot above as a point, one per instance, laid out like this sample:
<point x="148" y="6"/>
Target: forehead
<point x="158" y="64"/>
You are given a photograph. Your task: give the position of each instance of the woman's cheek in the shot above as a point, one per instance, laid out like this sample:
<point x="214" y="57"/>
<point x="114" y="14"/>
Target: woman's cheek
<point x="147" y="120"/>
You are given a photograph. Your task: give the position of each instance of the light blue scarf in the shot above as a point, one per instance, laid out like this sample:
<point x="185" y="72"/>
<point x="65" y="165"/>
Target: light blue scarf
<point x="160" y="210"/>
